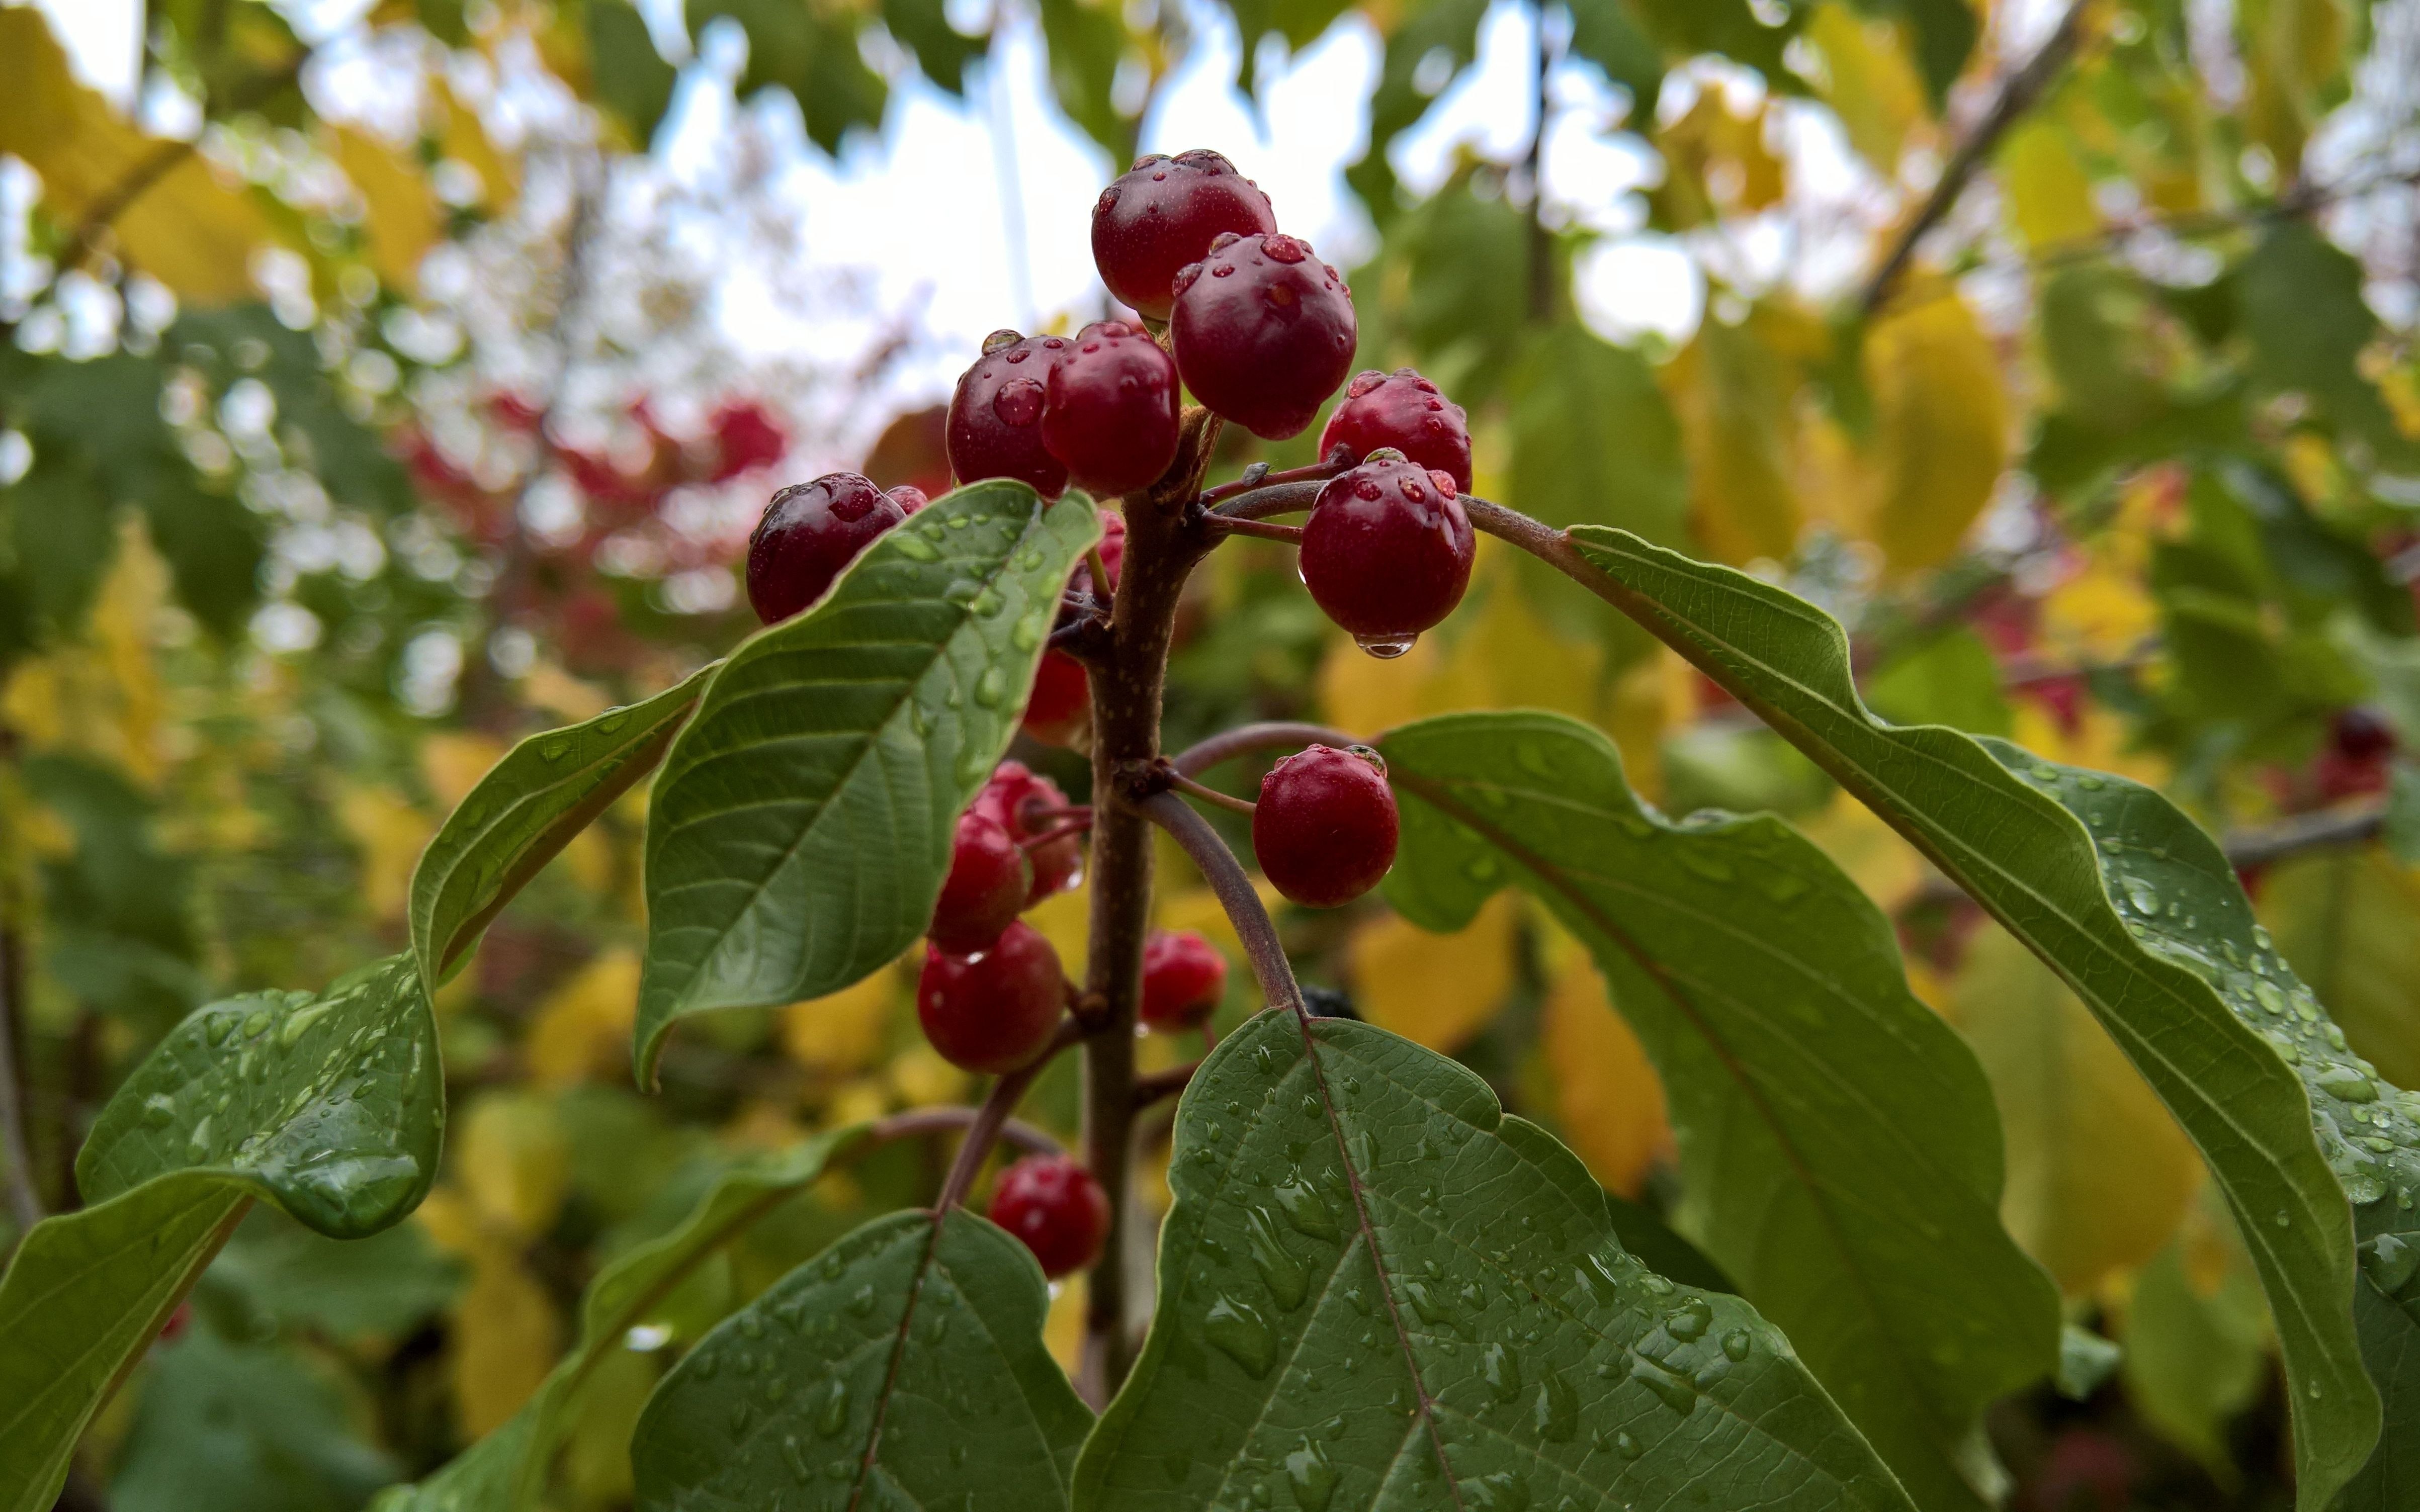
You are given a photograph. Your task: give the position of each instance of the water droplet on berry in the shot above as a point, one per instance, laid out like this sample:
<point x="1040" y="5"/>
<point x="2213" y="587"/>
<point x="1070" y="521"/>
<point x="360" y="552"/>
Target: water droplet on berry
<point x="1108" y="200"/>
<point x="1284" y="249"/>
<point x="1385" y="647"/>
<point x="1015" y="357"/>
<point x="1018" y="403"/>
<point x="1223" y="270"/>
<point x="1000" y="340"/>
<point x="1185" y="277"/>
<point x="1279" y="295"/>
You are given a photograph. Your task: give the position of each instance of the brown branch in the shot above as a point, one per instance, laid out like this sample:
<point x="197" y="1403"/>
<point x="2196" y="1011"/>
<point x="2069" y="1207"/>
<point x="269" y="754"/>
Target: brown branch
<point x="1203" y="790"/>
<point x="1258" y="477"/>
<point x="1161" y="1085"/>
<point x="1236" y="894"/>
<point x="985" y="1125"/>
<point x="1275" y="734"/>
<point x="2017" y="95"/>
<point x="1277" y="499"/>
<point x="1258" y="530"/>
<point x="917" y="1122"/>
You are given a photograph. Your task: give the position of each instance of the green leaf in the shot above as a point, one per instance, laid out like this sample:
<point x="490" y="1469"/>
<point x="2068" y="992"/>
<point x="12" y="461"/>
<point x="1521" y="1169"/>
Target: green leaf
<point x="2348" y="921"/>
<point x="1608" y="35"/>
<point x="631" y="78"/>
<point x="1085" y="40"/>
<point x="525" y="812"/>
<point x="902" y="1367"/>
<point x="2195" y="1358"/>
<point x="1943" y="37"/>
<point x="1595" y="440"/>
<point x="1837" y="1140"/>
<point x="942" y="51"/>
<point x="279" y="1274"/>
<point x="242" y="1428"/>
<point x="2299" y="299"/>
<point x="1448" y="29"/>
<point x="330" y="1106"/>
<point x="506" y="1470"/>
<point x="1952" y="678"/>
<point x="2217" y="1024"/>
<point x="809" y="53"/>
<point x="1374" y="1283"/>
<point x="801" y="828"/>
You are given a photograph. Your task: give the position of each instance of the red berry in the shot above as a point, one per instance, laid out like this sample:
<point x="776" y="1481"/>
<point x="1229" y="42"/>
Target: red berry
<point x="2361" y="736"/>
<point x="1388" y="551"/>
<point x="1056" y="1208"/>
<point x="1061" y="702"/>
<point x="1114" y="543"/>
<point x="907" y="497"/>
<point x="995" y="427"/>
<point x="1163" y="213"/>
<point x="986" y="889"/>
<point x="1183" y="977"/>
<point x="1022" y="802"/>
<point x="1405" y="411"/>
<point x="1110" y="409"/>
<point x="746" y="438"/>
<point x="1263" y="333"/>
<point x="810" y="532"/>
<point x="1324" y="829"/>
<point x="992" y="1012"/>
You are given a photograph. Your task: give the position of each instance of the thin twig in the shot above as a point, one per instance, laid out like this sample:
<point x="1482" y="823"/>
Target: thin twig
<point x="2305" y="832"/>
<point x="24" y="1200"/>
<point x="1235" y="891"/>
<point x="985" y="1127"/>
<point x="1277" y="499"/>
<point x="1258" y="529"/>
<point x="1034" y="842"/>
<point x="2017" y="95"/>
<point x="1163" y="1084"/>
<point x="1273" y="734"/>
<point x="1207" y="793"/>
<point x="916" y="1123"/>
<point x="1258" y="477"/>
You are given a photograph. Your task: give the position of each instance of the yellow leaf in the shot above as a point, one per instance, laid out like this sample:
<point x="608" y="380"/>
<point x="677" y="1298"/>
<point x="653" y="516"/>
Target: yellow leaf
<point x="464" y="138"/>
<point x="2101" y="615"/>
<point x="1836" y="482"/>
<point x="1876" y="858"/>
<point x="1063" y="1328"/>
<point x="452" y="762"/>
<point x="504" y="1338"/>
<point x="1869" y="83"/>
<point x="1438" y="989"/>
<point x="1065" y="919"/>
<point x="513" y="1162"/>
<point x="400" y="209"/>
<point x="841" y="1035"/>
<point x="2050" y="199"/>
<point x="1941" y="426"/>
<point x="1651" y="696"/>
<point x="171" y="216"/>
<point x="1732" y="398"/>
<point x="390" y="833"/>
<point x="548" y="687"/>
<point x="2348" y="921"/>
<point x="2098" y="1175"/>
<point x="920" y="1078"/>
<point x="582" y="1028"/>
<point x="103" y="696"/>
<point x="1608" y="1102"/>
<point x="1716" y="164"/>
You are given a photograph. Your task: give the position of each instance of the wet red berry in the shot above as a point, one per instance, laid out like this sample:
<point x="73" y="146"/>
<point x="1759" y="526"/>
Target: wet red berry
<point x="986" y="889"/>
<point x="1062" y="704"/>
<point x="1110" y="409"/>
<point x="1262" y="331"/>
<point x="2361" y="736"/>
<point x="1056" y="1208"/>
<point x="1405" y="411"/>
<point x="1324" y="829"/>
<point x="1024" y="804"/>
<point x="992" y="1012"/>
<point x="995" y="425"/>
<point x="745" y="438"/>
<point x="1183" y="977"/>
<point x="1113" y="544"/>
<point x="907" y="497"/>
<point x="1163" y="213"/>
<point x="1388" y="551"/>
<point x="810" y="532"/>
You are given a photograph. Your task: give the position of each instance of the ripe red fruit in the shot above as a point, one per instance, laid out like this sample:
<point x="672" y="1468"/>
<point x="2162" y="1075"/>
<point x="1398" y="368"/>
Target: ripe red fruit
<point x="1163" y="213"/>
<point x="993" y="1012"/>
<point x="986" y="889"/>
<point x="1110" y="409"/>
<point x="746" y="438"/>
<point x="1056" y="1208"/>
<point x="1183" y="977"/>
<point x="995" y="426"/>
<point x="1022" y="802"/>
<point x="1405" y="411"/>
<point x="1388" y="551"/>
<point x="1263" y="331"/>
<point x="1113" y="544"/>
<point x="2361" y="736"/>
<point x="1324" y="829"/>
<point x="810" y="532"/>
<point x="907" y="497"/>
<point x="1060" y="704"/>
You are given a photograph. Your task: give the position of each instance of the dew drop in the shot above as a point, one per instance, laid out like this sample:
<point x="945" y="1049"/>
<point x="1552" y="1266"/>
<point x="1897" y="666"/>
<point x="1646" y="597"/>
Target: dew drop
<point x="991" y="689"/>
<point x="2389" y="1261"/>
<point x="914" y="548"/>
<point x="1311" y="1477"/>
<point x="1242" y="1335"/>
<point x="1690" y="1321"/>
<point x="1627" y="1446"/>
<point x="1502" y="1369"/>
<point x="1385" y="647"/>
<point x="1736" y="1344"/>
<point x="1556" y="1414"/>
<point x="158" y="1110"/>
<point x="1018" y="402"/>
<point x="1504" y="1491"/>
<point x="832" y="1414"/>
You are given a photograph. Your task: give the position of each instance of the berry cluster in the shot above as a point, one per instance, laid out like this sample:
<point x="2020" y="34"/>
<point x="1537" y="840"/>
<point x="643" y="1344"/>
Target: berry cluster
<point x="992" y="988"/>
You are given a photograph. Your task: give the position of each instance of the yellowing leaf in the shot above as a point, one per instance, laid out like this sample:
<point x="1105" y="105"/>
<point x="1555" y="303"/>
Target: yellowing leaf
<point x="1731" y="395"/>
<point x="462" y="137"/>
<point x="2099" y="614"/>
<point x="582" y="1028"/>
<point x="181" y="224"/>
<point x="1438" y="989"/>
<point x="548" y="687"/>
<point x="920" y="1078"/>
<point x="2049" y="197"/>
<point x="2098" y="1175"/>
<point x="103" y="696"/>
<point x="1062" y="1330"/>
<point x="1941" y="426"/>
<point x="400" y="211"/>
<point x="513" y="1162"/>
<point x="2349" y="923"/>
<point x="841" y="1035"/>
<point x="1876" y="858"/>
<point x="390" y="833"/>
<point x="1608" y="1102"/>
<point x="453" y="761"/>
<point x="1715" y="163"/>
<point x="1869" y="83"/>
<point x="504" y="1338"/>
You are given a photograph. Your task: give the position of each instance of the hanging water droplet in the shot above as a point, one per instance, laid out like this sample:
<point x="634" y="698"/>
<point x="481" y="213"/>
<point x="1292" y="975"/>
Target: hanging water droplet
<point x="1674" y="1390"/>
<point x="1385" y="647"/>
<point x="255" y="1021"/>
<point x="991" y="687"/>
<point x="1029" y="632"/>
<point x="986" y="603"/>
<point x="1690" y="1320"/>
<point x="1306" y="1210"/>
<point x="2143" y="897"/>
<point x="1736" y="1343"/>
<point x="1242" y="1335"/>
<point x="1286" y="1277"/>
<point x="1429" y="1302"/>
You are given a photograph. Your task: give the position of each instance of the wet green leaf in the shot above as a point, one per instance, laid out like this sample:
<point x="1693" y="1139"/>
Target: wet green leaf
<point x="1837" y="1141"/>
<point x="902" y="1367"/>
<point x="330" y="1105"/>
<point x="1373" y="1284"/>
<point x="801" y="828"/>
<point x="2138" y="910"/>
<point x="243" y="1427"/>
<point x="525" y="812"/>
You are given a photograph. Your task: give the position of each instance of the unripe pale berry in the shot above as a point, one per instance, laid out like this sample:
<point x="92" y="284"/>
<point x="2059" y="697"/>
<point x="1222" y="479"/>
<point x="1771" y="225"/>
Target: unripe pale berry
<point x="1183" y="977"/>
<point x="1388" y="551"/>
<point x="1262" y="331"/>
<point x="1060" y="705"/>
<point x="1057" y="1208"/>
<point x="809" y="533"/>
<point x="986" y="890"/>
<point x="1405" y="411"/>
<point x="1110" y="409"/>
<point x="1326" y="826"/>
<point x="995" y="424"/>
<point x="1022" y="801"/>
<point x="1162" y="214"/>
<point x="992" y="1012"/>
